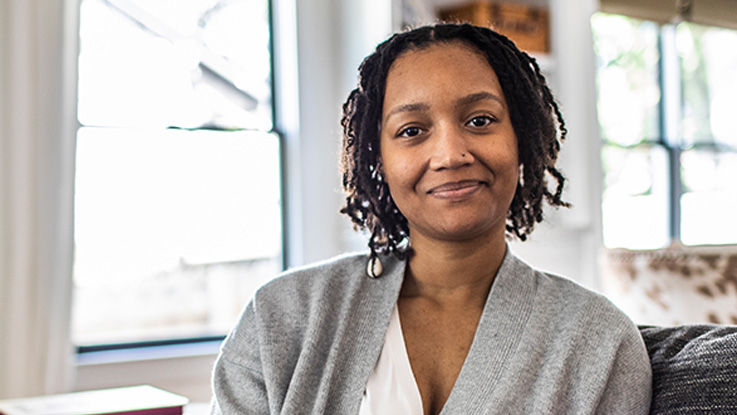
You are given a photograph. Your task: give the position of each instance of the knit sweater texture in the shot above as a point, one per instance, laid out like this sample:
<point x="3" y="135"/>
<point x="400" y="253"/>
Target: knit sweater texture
<point x="308" y="340"/>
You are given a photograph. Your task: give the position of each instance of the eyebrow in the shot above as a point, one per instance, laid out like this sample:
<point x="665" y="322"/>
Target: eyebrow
<point x="468" y="99"/>
<point x="408" y="108"/>
<point x="479" y="96"/>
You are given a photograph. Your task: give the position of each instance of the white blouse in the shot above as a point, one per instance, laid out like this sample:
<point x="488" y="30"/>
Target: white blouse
<point x="391" y="388"/>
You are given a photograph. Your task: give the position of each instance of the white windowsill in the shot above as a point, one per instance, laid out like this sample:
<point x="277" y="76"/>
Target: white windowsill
<point x="183" y="369"/>
<point x="207" y="348"/>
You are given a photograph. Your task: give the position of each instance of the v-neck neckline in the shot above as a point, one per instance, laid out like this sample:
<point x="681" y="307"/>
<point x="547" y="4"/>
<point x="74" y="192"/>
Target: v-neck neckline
<point x="505" y="313"/>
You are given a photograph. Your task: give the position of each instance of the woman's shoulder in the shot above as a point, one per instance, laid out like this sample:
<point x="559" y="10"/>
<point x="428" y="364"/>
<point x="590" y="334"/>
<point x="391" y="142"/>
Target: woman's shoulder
<point x="575" y="303"/>
<point x="336" y="267"/>
<point x="336" y="275"/>
<point x="579" y="344"/>
<point x="333" y="285"/>
<point x="297" y="299"/>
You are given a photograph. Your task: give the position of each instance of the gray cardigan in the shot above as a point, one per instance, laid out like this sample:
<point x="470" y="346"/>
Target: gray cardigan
<point x="309" y="339"/>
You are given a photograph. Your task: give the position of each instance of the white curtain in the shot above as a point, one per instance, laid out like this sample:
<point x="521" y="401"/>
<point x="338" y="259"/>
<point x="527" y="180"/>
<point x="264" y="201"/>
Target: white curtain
<point x="37" y="122"/>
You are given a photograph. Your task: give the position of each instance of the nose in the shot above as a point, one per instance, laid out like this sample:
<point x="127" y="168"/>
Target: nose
<point x="450" y="149"/>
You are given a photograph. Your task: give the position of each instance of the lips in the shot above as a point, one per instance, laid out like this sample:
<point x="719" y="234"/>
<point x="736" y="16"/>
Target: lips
<point x="459" y="189"/>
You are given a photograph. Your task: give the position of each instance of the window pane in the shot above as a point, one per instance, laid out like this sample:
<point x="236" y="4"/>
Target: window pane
<point x="635" y="199"/>
<point x="174" y="231"/>
<point x="708" y="60"/>
<point x="627" y="78"/>
<point x="164" y="63"/>
<point x="709" y="201"/>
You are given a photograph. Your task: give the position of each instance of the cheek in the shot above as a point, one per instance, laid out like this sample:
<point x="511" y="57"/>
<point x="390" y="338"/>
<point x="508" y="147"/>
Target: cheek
<point x="505" y="165"/>
<point x="401" y="181"/>
<point x="390" y="165"/>
<point x="513" y="169"/>
<point x="510" y="156"/>
<point x="394" y="180"/>
<point x="401" y="169"/>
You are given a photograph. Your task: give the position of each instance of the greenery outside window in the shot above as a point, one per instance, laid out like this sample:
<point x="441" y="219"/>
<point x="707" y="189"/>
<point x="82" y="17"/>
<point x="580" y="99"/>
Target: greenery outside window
<point x="666" y="100"/>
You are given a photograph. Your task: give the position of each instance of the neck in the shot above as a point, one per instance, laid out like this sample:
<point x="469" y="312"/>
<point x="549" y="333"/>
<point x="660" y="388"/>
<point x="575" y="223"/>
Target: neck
<point x="451" y="271"/>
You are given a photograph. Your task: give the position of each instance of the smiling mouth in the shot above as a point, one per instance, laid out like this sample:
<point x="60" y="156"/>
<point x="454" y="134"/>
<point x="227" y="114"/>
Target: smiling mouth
<point x="456" y="189"/>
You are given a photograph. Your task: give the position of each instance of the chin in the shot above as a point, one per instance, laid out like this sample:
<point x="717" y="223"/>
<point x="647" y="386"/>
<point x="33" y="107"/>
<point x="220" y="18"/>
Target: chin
<point x="466" y="231"/>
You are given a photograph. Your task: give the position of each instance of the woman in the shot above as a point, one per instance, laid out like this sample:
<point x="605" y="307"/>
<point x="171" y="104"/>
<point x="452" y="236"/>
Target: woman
<point x="448" y="142"/>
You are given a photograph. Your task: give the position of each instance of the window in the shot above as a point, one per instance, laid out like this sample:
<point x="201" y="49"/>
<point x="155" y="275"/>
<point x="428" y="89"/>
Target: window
<point x="666" y="100"/>
<point x="177" y="194"/>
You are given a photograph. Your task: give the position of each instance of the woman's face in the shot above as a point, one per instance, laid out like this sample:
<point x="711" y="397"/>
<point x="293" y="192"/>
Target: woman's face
<point x="448" y="148"/>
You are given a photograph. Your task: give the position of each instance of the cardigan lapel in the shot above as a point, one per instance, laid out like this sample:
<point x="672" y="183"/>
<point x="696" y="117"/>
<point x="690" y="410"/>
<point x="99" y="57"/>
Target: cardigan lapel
<point x="363" y="339"/>
<point x="505" y="314"/>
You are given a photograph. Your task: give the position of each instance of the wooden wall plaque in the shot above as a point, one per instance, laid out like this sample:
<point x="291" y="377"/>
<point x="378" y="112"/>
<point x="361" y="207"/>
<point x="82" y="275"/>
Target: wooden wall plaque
<point x="528" y="26"/>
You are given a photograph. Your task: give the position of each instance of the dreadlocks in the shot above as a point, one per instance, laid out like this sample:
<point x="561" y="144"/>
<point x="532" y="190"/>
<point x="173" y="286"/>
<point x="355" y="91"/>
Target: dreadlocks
<point x="536" y="118"/>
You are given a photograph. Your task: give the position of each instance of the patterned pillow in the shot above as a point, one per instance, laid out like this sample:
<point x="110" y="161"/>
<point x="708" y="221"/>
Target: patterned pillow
<point x="673" y="286"/>
<point x="694" y="368"/>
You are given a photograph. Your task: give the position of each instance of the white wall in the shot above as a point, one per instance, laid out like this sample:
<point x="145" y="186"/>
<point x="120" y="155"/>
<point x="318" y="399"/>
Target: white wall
<point x="333" y="37"/>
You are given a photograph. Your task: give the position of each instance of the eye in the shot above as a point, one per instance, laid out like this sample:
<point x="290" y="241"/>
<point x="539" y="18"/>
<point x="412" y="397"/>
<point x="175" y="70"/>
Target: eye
<point x="410" y="132"/>
<point x="480" y="121"/>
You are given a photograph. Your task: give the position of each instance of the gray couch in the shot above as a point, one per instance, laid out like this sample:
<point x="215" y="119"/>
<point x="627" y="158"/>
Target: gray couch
<point x="694" y="368"/>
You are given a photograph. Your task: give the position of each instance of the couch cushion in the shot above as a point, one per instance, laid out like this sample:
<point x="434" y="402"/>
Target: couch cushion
<point x="694" y="368"/>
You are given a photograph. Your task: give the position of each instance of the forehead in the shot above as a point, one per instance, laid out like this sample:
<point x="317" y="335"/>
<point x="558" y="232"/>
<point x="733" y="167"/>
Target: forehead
<point x="444" y="70"/>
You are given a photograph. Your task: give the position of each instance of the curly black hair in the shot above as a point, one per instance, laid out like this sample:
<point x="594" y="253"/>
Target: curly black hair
<point x="536" y="118"/>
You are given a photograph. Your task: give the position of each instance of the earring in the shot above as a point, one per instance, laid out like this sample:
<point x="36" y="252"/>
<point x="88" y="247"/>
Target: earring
<point x="521" y="178"/>
<point x="374" y="268"/>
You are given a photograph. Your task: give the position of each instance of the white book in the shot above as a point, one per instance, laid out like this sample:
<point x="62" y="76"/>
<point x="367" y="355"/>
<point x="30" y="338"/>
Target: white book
<point x="138" y="400"/>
